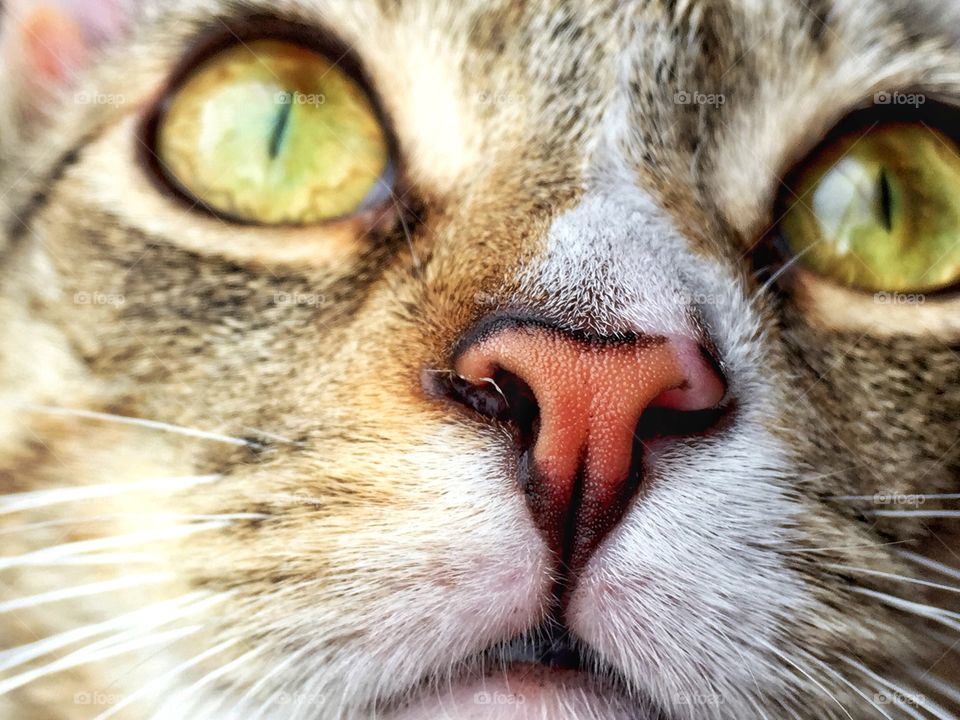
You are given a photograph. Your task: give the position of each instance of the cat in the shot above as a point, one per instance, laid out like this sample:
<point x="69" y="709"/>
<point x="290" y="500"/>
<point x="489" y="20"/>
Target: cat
<point x="418" y="359"/>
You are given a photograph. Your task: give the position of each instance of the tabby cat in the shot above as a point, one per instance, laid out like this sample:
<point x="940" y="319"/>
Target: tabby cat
<point x="419" y="359"/>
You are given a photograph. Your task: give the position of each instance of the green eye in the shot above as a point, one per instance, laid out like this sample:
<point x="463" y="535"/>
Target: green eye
<point x="880" y="211"/>
<point x="271" y="132"/>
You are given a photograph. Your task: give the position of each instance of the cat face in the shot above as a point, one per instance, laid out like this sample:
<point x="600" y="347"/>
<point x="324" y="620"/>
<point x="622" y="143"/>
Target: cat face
<point x="533" y="408"/>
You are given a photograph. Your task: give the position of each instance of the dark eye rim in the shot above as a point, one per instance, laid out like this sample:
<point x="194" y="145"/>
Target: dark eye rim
<point x="938" y="112"/>
<point x="226" y="34"/>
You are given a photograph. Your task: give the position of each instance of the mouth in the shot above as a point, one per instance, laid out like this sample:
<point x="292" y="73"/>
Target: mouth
<point x="544" y="673"/>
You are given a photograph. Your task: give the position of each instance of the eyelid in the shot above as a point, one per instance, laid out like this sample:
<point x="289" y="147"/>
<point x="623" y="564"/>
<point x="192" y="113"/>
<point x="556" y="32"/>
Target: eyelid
<point x="833" y="307"/>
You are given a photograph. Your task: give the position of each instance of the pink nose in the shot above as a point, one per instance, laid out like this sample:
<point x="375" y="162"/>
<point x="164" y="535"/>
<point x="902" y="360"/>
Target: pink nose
<point x="590" y="397"/>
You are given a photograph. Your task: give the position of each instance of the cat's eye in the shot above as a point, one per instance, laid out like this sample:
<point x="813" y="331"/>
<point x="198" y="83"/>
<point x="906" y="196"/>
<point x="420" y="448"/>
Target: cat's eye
<point x="879" y="209"/>
<point x="272" y="132"/>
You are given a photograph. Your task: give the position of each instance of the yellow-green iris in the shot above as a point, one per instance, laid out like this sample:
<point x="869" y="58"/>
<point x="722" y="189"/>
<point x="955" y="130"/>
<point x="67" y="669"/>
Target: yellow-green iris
<point x="881" y="211"/>
<point x="271" y="132"/>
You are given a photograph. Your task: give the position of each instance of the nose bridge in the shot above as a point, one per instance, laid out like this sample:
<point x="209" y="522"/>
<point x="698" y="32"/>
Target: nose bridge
<point x="581" y="469"/>
<point x="610" y="263"/>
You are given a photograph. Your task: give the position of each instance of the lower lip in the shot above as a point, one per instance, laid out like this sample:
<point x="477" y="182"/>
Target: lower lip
<point x="521" y="691"/>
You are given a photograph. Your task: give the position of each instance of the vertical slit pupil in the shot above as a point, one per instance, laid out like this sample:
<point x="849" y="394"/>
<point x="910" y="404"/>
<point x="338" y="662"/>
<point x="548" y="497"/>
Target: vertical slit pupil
<point x="886" y="200"/>
<point x="280" y="125"/>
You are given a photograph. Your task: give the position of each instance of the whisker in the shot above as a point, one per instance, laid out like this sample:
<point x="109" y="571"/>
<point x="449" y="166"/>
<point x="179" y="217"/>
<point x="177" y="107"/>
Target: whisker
<point x="271" y="701"/>
<point x="786" y="659"/>
<point x="40" y="557"/>
<point x="18" y="502"/>
<point x="915" y="513"/>
<point x="824" y="476"/>
<point x="841" y="547"/>
<point x="144" y="618"/>
<point x="209" y="678"/>
<point x="292" y="499"/>
<point x="846" y="682"/>
<point x="946" y="689"/>
<point x="926" y="562"/>
<point x="85" y="590"/>
<point x="140" y="422"/>
<point x="86" y="655"/>
<point x="917" y="698"/>
<point x="902" y="578"/>
<point x="274" y="436"/>
<point x="159" y="682"/>
<point x="784" y="268"/>
<point x="100" y="519"/>
<point x="270" y="674"/>
<point x="100" y="559"/>
<point x="941" y="615"/>
<point x="874" y="498"/>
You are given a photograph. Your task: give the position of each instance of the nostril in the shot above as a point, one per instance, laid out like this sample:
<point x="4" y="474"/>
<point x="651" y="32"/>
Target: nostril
<point x="664" y="422"/>
<point x="504" y="397"/>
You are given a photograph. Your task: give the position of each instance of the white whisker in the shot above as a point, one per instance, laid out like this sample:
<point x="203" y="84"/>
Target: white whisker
<point x="159" y="682"/>
<point x="85" y="590"/>
<point x="140" y="422"/>
<point x="912" y="697"/>
<point x="915" y="513"/>
<point x="846" y="682"/>
<point x="143" y="618"/>
<point x="146" y="514"/>
<point x="271" y="700"/>
<point x="784" y="268"/>
<point x="88" y="655"/>
<point x="946" y="689"/>
<point x="824" y="476"/>
<point x="807" y="675"/>
<point x="41" y="557"/>
<point x="292" y="499"/>
<point x="926" y="562"/>
<point x="210" y="677"/>
<point x="274" y="436"/>
<point x="884" y="497"/>
<point x="269" y="675"/>
<point x="42" y="498"/>
<point x="840" y="547"/>
<point x="946" y="617"/>
<point x="901" y="578"/>
<point x="99" y="559"/>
